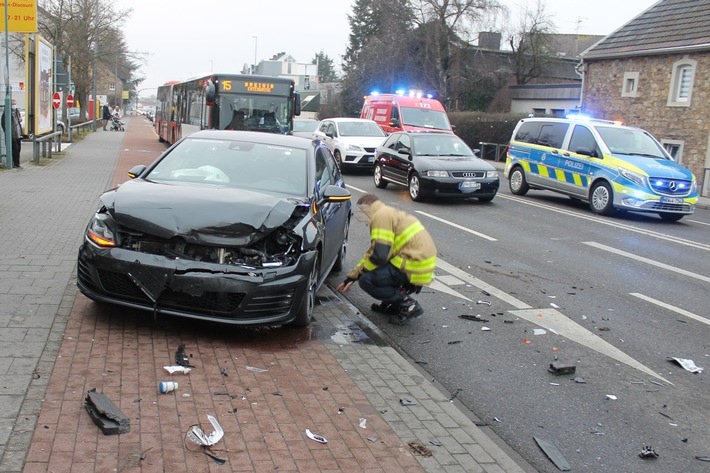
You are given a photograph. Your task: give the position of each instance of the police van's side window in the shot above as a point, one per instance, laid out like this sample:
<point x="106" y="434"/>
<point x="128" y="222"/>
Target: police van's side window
<point x="583" y="142"/>
<point x="553" y="134"/>
<point x="528" y="132"/>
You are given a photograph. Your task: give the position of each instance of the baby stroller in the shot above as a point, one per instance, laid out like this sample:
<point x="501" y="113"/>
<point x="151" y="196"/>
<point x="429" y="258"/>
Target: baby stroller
<point x="116" y="124"/>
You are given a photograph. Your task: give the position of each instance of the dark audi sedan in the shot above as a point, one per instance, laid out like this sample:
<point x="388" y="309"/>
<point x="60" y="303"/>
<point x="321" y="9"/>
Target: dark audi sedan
<point x="228" y="226"/>
<point x="432" y="164"/>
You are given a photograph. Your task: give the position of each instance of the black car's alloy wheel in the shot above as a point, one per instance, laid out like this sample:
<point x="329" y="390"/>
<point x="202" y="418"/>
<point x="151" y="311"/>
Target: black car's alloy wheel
<point x="380" y="183"/>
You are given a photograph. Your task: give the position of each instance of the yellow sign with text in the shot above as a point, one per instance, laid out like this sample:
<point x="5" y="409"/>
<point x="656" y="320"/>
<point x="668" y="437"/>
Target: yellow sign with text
<point x="21" y="16"/>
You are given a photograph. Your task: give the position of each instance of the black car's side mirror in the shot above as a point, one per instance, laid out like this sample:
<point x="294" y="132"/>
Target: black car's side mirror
<point x="136" y="171"/>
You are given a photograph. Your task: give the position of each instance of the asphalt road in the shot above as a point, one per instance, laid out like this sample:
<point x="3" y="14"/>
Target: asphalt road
<point x="615" y="298"/>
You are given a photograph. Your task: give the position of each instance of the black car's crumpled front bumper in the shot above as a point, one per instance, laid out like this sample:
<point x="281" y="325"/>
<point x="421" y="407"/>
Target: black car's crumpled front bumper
<point x="222" y="293"/>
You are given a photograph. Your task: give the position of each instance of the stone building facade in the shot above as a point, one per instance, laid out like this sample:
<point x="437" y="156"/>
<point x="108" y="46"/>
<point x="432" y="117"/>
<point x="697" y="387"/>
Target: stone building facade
<point x="654" y="73"/>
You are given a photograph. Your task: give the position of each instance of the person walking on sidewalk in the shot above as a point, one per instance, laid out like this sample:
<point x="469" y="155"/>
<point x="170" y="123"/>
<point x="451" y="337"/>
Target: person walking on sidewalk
<point x="400" y="260"/>
<point x="105" y="115"/>
<point x="16" y="123"/>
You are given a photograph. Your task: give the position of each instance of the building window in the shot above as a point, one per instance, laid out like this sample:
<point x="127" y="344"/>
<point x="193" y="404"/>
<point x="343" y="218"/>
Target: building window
<point x="675" y="149"/>
<point x="558" y="112"/>
<point x="681" y="91"/>
<point x="630" y="86"/>
<point x="539" y="112"/>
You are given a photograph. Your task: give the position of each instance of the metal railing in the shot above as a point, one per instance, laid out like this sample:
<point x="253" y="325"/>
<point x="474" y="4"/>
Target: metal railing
<point x="42" y="145"/>
<point x="495" y="151"/>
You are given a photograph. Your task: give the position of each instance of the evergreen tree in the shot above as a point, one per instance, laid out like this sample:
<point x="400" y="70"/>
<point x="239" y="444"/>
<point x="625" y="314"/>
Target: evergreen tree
<point x="326" y="69"/>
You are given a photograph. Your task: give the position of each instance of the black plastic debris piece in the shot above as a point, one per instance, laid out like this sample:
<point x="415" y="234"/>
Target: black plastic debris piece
<point x="509" y="321"/>
<point x="277" y="393"/>
<point x="181" y="357"/>
<point x="105" y="414"/>
<point x="553" y="453"/>
<point x="558" y="368"/>
<point x="648" y="452"/>
<point x="475" y="318"/>
<point x="435" y="442"/>
<point x="407" y="402"/>
<point x="456" y="393"/>
<point x="454" y="342"/>
<point x="224" y="372"/>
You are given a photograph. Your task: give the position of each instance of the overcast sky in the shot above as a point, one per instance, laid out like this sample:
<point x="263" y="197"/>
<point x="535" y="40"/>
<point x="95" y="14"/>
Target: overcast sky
<point x="181" y="38"/>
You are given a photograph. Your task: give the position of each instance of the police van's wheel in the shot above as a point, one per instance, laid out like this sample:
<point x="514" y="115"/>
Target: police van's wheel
<point x="380" y="183"/>
<point x="415" y="188"/>
<point x="601" y="199"/>
<point x="517" y="182"/>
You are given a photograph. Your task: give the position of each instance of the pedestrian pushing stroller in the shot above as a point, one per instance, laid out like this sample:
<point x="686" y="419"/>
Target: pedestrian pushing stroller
<point x="116" y="124"/>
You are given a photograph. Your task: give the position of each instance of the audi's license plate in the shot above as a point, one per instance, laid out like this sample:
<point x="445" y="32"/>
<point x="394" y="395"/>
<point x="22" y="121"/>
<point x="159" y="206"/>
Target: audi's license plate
<point x="469" y="185"/>
<point x="671" y="200"/>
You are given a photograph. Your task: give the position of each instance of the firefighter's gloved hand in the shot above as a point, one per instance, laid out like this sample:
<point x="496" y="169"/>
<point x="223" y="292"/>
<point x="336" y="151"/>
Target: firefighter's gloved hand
<point x="412" y="288"/>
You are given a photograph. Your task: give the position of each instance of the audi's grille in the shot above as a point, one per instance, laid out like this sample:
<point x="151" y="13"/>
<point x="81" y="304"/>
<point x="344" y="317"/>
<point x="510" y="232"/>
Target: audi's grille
<point x="469" y="174"/>
<point x="674" y="187"/>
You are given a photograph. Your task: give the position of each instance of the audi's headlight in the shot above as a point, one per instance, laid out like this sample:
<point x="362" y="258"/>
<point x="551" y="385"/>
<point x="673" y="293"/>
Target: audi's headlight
<point x="353" y="148"/>
<point x="634" y="177"/>
<point x="492" y="174"/>
<point x="437" y="174"/>
<point x="99" y="231"/>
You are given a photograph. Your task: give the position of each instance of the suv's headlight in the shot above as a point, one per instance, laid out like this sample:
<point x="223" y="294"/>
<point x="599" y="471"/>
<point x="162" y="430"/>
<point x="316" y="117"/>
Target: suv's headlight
<point x="353" y="148"/>
<point x="437" y="174"/>
<point x="634" y="177"/>
<point x="99" y="232"/>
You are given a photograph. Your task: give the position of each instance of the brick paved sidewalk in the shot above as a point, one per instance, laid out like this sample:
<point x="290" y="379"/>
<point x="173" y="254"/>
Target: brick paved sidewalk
<point x="336" y="378"/>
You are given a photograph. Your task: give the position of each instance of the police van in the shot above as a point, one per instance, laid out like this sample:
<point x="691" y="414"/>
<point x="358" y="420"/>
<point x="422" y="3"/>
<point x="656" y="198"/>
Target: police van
<point x="406" y="112"/>
<point x="613" y="167"/>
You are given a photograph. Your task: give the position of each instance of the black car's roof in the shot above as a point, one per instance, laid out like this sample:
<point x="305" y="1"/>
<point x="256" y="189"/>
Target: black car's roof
<point x="253" y="136"/>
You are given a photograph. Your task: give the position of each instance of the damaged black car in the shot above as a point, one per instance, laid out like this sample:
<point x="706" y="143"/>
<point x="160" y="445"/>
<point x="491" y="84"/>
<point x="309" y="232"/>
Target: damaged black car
<point x="227" y="226"/>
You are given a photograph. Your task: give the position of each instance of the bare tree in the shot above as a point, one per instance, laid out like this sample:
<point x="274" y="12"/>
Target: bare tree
<point x="530" y="43"/>
<point x="88" y="31"/>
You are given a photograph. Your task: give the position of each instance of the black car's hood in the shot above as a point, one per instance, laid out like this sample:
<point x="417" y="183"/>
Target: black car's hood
<point x="452" y="163"/>
<point x="199" y="214"/>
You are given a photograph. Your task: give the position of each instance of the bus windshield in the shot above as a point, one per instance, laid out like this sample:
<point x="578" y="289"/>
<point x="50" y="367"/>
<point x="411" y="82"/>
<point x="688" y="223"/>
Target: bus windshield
<point x="255" y="113"/>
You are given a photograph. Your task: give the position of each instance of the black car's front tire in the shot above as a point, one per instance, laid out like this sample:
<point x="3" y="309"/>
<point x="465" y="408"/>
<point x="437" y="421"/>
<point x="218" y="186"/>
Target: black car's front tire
<point x="415" y="188"/>
<point x="305" y="311"/>
<point x="340" y="259"/>
<point x="380" y="183"/>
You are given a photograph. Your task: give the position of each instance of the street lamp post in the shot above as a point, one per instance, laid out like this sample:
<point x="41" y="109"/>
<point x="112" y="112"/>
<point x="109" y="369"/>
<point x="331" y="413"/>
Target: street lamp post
<point x="256" y="42"/>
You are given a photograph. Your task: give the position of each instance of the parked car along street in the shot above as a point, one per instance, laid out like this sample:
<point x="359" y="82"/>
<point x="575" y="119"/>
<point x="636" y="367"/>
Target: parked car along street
<point x="227" y="226"/>
<point x="434" y="164"/>
<point x="352" y="140"/>
<point x="304" y="127"/>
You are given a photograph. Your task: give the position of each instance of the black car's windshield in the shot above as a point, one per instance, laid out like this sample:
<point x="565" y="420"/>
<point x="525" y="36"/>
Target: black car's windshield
<point x="439" y="145"/>
<point x="630" y="141"/>
<point x="242" y="164"/>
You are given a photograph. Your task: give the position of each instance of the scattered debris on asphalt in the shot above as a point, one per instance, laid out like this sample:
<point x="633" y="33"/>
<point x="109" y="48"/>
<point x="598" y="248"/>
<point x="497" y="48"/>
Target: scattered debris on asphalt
<point x="611" y="397"/>
<point x="224" y="372"/>
<point x="539" y="331"/>
<point x="407" y="402"/>
<point x="485" y="329"/>
<point x="456" y="393"/>
<point x="648" y="452"/>
<point x="420" y="449"/>
<point x="181" y="357"/>
<point x="554" y="306"/>
<point x="580" y="380"/>
<point x="436" y="442"/>
<point x="197" y="435"/>
<point x="475" y="318"/>
<point x="363" y="423"/>
<point x="553" y="453"/>
<point x="596" y="431"/>
<point x="373" y="439"/>
<point x="105" y="414"/>
<point x="703" y="459"/>
<point x="316" y="437"/>
<point x="558" y="368"/>
<point x="257" y="370"/>
<point x="277" y="393"/>
<point x="454" y="342"/>
<point x="484" y="302"/>
<point x="688" y="365"/>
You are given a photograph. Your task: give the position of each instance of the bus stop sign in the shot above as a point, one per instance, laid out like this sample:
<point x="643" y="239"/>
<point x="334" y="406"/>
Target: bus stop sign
<point x="56" y="100"/>
<point x="70" y="101"/>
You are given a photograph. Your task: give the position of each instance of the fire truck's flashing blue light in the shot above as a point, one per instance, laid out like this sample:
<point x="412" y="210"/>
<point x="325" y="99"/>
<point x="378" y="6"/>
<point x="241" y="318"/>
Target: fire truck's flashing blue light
<point x="399" y="92"/>
<point x="429" y="96"/>
<point x="375" y="93"/>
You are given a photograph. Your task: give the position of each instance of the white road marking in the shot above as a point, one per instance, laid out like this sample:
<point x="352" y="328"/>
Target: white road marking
<point x="698" y="222"/>
<point x="456" y="225"/>
<point x="356" y="188"/>
<point x="647" y="261"/>
<point x="439" y="286"/>
<point x="553" y="320"/>
<point x="449" y="280"/>
<point x="672" y="308"/>
<point x="484" y="286"/>
<point x="611" y="223"/>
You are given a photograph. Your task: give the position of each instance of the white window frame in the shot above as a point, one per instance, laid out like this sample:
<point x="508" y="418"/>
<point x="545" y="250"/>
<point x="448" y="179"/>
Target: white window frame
<point x="677" y="143"/>
<point x="630" y="86"/>
<point x="680" y="93"/>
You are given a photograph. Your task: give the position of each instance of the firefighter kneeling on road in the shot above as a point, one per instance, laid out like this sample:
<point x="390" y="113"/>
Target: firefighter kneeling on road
<point x="400" y="260"/>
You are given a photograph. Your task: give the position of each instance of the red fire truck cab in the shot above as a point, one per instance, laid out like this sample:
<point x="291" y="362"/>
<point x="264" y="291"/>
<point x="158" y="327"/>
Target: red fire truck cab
<point x="400" y="112"/>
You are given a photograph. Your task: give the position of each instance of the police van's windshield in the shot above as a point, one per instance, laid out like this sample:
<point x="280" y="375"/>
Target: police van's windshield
<point x="424" y="118"/>
<point x="630" y="141"/>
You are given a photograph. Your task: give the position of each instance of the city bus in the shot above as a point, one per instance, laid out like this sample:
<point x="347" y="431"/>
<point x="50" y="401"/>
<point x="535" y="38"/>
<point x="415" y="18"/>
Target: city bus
<point x="225" y="102"/>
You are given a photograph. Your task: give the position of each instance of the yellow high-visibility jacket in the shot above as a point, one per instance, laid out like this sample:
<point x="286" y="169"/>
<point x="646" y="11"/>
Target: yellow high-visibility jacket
<point x="398" y="238"/>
